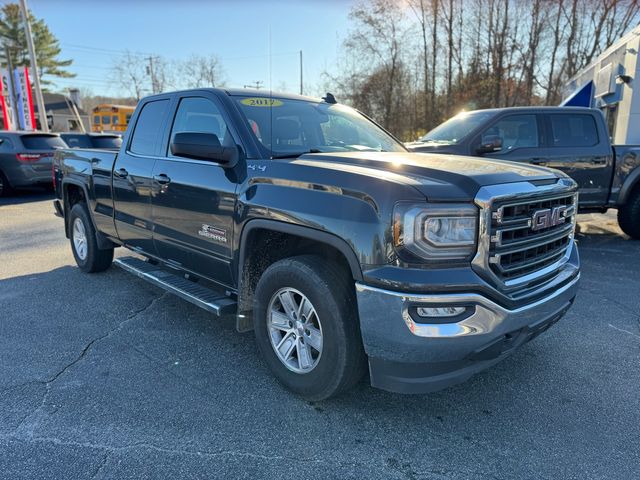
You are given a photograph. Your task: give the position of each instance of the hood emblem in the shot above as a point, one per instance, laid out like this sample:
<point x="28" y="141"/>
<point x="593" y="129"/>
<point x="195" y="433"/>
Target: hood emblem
<point x="548" y="217"/>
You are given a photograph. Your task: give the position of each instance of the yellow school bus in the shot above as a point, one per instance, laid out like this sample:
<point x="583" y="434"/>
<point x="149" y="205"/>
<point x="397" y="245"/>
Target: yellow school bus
<point x="111" y="118"/>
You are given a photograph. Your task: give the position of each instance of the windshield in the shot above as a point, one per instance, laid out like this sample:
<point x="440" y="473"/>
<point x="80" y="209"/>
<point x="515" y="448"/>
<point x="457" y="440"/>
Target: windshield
<point x="456" y="128"/>
<point x="301" y="126"/>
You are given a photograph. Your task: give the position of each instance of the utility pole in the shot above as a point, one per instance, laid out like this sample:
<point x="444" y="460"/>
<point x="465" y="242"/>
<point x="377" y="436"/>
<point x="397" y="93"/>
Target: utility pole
<point x="150" y="72"/>
<point x="301" y="72"/>
<point x="42" y="114"/>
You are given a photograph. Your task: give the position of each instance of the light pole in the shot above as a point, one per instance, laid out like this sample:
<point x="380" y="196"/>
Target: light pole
<point x="42" y="114"/>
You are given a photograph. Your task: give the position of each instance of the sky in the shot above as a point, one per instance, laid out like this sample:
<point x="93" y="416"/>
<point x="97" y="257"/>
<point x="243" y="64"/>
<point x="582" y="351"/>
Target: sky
<point x="95" y="34"/>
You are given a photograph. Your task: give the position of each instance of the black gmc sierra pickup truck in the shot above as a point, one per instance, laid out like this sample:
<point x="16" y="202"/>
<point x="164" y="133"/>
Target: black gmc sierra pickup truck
<point x="322" y="233"/>
<point x="572" y="139"/>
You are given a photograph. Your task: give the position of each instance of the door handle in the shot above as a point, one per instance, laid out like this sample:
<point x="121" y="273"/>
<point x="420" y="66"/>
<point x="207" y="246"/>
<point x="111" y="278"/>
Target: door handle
<point x="121" y="173"/>
<point x="543" y="162"/>
<point x="598" y="161"/>
<point x="162" y="179"/>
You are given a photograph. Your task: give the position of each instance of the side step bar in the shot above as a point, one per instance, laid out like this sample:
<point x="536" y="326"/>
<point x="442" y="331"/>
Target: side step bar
<point x="211" y="300"/>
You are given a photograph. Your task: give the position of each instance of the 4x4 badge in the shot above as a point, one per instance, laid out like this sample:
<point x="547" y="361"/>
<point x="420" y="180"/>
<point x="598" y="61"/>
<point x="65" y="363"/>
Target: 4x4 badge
<point x="548" y="217"/>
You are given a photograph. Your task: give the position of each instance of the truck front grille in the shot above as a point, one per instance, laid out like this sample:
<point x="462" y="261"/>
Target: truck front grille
<point x="526" y="236"/>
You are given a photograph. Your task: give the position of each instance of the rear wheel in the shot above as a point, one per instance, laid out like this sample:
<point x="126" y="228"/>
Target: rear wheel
<point x="5" y="188"/>
<point x="306" y="327"/>
<point x="83" y="242"/>
<point x="629" y="215"/>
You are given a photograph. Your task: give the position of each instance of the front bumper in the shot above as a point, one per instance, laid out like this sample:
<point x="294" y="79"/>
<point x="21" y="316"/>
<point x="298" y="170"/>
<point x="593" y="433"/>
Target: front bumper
<point x="408" y="356"/>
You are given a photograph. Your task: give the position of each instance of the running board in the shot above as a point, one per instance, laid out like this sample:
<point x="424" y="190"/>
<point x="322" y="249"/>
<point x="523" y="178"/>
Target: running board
<point x="211" y="300"/>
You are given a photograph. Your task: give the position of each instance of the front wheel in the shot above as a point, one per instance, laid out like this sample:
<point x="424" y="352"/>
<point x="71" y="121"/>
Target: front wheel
<point x="306" y="327"/>
<point x="83" y="242"/>
<point x="629" y="215"/>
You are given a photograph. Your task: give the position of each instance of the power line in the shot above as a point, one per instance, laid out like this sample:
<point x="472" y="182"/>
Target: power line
<point x="106" y="50"/>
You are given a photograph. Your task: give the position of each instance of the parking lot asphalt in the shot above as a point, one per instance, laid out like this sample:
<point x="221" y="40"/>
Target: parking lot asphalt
<point x="104" y="376"/>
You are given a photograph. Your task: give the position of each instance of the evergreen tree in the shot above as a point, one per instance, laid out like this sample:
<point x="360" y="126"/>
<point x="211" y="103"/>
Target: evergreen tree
<point x="46" y="44"/>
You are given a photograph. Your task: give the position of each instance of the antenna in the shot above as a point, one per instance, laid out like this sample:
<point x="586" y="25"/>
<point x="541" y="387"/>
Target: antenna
<point x="270" y="95"/>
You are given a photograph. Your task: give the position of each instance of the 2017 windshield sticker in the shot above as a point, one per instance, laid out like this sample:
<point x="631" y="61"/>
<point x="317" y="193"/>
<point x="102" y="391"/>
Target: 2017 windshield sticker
<point x="261" y="102"/>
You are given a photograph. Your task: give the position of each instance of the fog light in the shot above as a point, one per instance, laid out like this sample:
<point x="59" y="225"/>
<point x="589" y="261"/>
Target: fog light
<point x="434" y="312"/>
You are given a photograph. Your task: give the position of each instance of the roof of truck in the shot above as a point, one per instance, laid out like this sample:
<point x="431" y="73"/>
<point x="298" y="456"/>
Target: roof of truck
<point x="245" y="92"/>
<point x="540" y="109"/>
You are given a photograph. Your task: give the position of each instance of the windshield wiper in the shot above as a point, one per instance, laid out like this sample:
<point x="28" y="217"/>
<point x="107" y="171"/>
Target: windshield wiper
<point x="295" y="154"/>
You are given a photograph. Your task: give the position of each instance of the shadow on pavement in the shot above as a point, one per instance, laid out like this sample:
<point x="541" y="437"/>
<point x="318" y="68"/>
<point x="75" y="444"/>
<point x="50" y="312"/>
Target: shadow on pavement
<point x="27" y="196"/>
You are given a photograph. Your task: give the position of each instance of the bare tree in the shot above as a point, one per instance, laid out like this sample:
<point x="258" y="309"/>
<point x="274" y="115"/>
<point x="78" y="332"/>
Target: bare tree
<point x="203" y="71"/>
<point x="410" y="72"/>
<point x="131" y="75"/>
<point x="376" y="43"/>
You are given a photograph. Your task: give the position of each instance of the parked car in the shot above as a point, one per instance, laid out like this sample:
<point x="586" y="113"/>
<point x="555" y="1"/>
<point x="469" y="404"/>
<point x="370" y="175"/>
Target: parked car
<point x="26" y="159"/>
<point x="319" y="231"/>
<point x="572" y="139"/>
<point x="92" y="140"/>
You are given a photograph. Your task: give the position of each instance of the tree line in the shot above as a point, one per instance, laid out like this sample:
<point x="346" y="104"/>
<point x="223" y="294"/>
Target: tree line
<point x="411" y="64"/>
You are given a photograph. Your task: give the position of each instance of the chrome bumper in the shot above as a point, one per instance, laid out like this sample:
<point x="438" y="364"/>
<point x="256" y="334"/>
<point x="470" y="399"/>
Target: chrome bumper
<point x="486" y="318"/>
<point x="410" y="356"/>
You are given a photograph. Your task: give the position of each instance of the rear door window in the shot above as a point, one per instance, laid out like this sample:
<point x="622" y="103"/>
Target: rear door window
<point x="573" y="130"/>
<point x="42" y="142"/>
<point x="148" y="129"/>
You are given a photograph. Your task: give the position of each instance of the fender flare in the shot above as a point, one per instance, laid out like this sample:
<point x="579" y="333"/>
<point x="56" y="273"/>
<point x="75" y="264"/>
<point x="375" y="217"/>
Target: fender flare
<point x="103" y="242"/>
<point x="301" y="231"/>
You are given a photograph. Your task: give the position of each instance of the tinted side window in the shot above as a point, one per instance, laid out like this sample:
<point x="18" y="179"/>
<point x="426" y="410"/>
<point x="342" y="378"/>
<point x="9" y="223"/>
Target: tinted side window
<point x="148" y="127"/>
<point x="197" y="114"/>
<point x="574" y="130"/>
<point x="516" y="131"/>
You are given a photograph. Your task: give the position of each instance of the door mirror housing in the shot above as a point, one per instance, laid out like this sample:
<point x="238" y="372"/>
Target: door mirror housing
<point x="490" y="144"/>
<point x="203" y="146"/>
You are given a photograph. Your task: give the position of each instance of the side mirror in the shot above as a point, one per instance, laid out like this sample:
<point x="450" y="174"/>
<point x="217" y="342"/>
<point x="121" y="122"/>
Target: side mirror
<point x="203" y="146"/>
<point x="490" y="144"/>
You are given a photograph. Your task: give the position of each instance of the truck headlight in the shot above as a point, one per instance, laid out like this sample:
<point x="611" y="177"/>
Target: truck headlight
<point x="436" y="232"/>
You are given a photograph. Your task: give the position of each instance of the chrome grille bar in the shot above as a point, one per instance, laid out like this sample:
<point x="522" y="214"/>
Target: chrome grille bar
<point x="525" y="236"/>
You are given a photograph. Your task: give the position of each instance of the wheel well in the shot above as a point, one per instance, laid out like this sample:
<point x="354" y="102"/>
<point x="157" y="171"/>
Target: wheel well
<point x="264" y="247"/>
<point x="72" y="194"/>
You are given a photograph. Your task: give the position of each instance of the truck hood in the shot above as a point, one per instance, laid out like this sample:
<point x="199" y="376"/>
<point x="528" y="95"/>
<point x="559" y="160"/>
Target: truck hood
<point x="430" y="147"/>
<point x="443" y="178"/>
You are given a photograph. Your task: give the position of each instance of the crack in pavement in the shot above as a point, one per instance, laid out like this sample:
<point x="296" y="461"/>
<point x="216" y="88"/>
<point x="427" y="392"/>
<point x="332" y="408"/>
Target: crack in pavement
<point x="627" y="309"/>
<point x="30" y="421"/>
<point x="101" y="466"/>
<point x="143" y="445"/>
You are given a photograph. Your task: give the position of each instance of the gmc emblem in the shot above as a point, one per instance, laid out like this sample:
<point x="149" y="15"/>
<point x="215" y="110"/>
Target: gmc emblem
<point x="548" y="217"/>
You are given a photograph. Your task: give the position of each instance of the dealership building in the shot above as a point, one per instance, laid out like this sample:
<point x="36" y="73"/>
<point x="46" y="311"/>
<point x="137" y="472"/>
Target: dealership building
<point x="608" y="84"/>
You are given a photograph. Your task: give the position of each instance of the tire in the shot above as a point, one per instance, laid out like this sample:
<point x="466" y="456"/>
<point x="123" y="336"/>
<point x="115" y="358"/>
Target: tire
<point x="84" y="246"/>
<point x="5" y="187"/>
<point x="340" y="362"/>
<point x="629" y="215"/>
